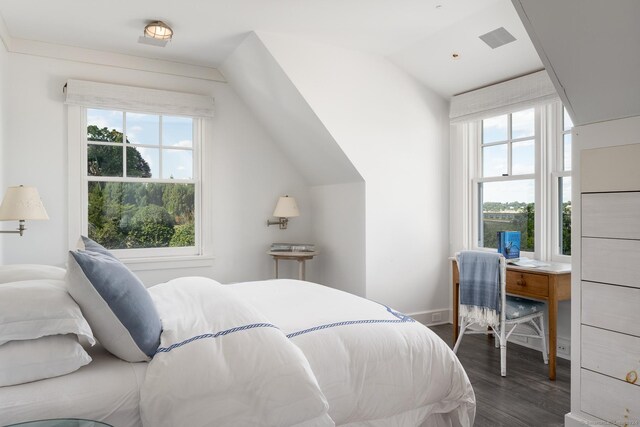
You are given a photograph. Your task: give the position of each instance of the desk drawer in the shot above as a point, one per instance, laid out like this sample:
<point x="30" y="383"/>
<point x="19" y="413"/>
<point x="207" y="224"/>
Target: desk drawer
<point x="527" y="284"/>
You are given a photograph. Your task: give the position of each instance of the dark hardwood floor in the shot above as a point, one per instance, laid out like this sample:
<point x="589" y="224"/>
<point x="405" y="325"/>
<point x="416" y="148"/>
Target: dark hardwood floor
<point x="525" y="397"/>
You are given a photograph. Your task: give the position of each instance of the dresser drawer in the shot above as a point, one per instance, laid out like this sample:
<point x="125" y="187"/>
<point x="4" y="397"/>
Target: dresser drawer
<point x="610" y="353"/>
<point x="611" y="307"/>
<point x="611" y="261"/>
<point x="609" y="399"/>
<point x="527" y="284"/>
<point x="612" y="215"/>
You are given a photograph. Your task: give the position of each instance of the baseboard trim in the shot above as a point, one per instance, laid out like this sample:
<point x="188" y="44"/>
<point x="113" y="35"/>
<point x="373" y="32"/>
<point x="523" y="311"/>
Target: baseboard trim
<point x="433" y="317"/>
<point x="580" y="420"/>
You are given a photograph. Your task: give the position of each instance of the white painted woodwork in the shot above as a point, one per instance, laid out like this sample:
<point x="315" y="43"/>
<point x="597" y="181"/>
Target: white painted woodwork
<point x="615" y="401"/>
<point x="610" y="353"/>
<point x="610" y="169"/>
<point x="611" y="307"/>
<point x="614" y="215"/>
<point x="611" y="261"/>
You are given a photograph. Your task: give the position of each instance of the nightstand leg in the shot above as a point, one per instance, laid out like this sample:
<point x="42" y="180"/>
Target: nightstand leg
<point x="301" y="269"/>
<point x="276" y="261"/>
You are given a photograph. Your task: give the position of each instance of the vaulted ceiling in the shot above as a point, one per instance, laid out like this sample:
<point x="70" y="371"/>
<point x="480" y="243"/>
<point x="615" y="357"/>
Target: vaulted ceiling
<point x="420" y="36"/>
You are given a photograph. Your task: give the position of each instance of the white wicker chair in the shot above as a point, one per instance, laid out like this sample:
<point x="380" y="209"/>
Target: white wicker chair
<point x="518" y="311"/>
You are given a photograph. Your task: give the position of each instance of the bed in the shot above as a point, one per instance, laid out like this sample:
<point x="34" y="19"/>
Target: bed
<point x="275" y="352"/>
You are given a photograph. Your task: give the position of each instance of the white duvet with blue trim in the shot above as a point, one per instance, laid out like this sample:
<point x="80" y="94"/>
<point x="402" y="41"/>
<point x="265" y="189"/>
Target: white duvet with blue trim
<point x="292" y="353"/>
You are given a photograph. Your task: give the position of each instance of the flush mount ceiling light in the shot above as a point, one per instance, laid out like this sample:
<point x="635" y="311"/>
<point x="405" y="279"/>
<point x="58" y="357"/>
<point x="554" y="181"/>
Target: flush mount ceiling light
<point x="156" y="33"/>
<point x="158" y="30"/>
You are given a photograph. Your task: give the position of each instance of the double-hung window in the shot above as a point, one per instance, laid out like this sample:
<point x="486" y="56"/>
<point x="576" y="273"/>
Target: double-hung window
<point x="142" y="181"/>
<point x="506" y="185"/>
<point x="522" y="180"/>
<point x="135" y="175"/>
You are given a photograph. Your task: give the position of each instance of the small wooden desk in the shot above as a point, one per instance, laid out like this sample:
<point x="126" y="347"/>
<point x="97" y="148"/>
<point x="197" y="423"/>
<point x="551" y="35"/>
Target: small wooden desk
<point x="550" y="284"/>
<point x="301" y="257"/>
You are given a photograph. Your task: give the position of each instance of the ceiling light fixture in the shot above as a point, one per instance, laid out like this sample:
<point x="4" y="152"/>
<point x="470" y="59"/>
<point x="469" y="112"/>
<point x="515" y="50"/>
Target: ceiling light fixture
<point x="156" y="33"/>
<point x="158" y="30"/>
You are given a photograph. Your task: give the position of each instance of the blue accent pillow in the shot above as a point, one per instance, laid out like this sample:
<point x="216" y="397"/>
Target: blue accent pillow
<point x="114" y="301"/>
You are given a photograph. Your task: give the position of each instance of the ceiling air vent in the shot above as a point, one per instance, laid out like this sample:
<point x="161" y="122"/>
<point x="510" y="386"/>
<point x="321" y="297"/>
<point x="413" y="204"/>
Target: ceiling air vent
<point x="497" y="38"/>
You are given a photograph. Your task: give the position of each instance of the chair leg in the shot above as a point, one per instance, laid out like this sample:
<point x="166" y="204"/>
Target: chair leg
<point x="503" y="359"/>
<point x="545" y="356"/>
<point x="463" y="327"/>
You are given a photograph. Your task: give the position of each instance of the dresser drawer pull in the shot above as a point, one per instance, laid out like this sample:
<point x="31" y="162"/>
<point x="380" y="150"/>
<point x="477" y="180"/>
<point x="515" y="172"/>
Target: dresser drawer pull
<point x="632" y="377"/>
<point x="521" y="281"/>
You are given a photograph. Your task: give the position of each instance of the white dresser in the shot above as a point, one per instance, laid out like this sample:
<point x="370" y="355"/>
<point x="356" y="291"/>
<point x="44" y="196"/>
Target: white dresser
<point x="610" y="284"/>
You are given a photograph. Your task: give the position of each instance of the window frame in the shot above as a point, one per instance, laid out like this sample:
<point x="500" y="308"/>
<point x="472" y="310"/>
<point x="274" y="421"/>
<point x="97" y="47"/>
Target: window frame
<point x="548" y="140"/>
<point x="137" y="258"/>
<point x="558" y="172"/>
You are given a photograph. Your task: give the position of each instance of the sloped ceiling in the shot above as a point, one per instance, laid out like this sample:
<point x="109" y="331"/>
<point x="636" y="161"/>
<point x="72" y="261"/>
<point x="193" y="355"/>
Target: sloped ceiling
<point x="258" y="78"/>
<point x="418" y="35"/>
<point x="590" y="50"/>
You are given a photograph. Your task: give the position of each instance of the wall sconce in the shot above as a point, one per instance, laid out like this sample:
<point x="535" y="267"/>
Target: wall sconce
<point x="285" y="209"/>
<point x="19" y="204"/>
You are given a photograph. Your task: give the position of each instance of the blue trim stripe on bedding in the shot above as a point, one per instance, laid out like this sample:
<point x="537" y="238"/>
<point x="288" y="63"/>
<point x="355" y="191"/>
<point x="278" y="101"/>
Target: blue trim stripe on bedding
<point x="401" y="318"/>
<point x="348" y="322"/>
<point x="216" y="335"/>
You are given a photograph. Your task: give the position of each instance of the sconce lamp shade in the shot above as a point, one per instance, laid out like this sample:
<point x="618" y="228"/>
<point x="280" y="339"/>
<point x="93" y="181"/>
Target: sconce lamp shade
<point x="21" y="203"/>
<point x="286" y="208"/>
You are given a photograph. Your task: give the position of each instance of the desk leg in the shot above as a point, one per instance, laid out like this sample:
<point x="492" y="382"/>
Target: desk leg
<point x="301" y="269"/>
<point x="553" y="322"/>
<point x="276" y="265"/>
<point x="456" y="299"/>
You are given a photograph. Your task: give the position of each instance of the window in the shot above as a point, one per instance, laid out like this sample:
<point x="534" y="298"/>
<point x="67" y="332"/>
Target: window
<point x="520" y="177"/>
<point x="506" y="185"/>
<point x="142" y="181"/>
<point x="136" y="181"/>
<point x="563" y="185"/>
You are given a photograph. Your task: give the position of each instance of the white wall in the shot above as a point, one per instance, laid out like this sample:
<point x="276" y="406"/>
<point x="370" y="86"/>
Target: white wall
<point x="339" y="231"/>
<point x="3" y="125"/>
<point x="395" y="132"/>
<point x="248" y="170"/>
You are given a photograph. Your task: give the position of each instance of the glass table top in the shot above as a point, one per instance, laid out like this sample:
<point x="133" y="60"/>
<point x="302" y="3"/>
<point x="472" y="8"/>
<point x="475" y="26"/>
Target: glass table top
<point x="61" y="422"/>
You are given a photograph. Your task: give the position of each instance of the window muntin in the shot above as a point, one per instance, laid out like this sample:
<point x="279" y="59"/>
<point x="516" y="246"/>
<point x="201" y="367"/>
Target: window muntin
<point x="144" y="193"/>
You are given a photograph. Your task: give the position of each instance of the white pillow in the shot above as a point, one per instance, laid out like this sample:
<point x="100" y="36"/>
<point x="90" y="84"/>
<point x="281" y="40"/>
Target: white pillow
<point x="47" y="357"/>
<point x="36" y="308"/>
<point x="18" y="272"/>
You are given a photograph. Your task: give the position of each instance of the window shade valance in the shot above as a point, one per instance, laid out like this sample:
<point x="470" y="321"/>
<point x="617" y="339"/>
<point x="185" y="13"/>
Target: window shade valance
<point x="525" y="91"/>
<point x="130" y="98"/>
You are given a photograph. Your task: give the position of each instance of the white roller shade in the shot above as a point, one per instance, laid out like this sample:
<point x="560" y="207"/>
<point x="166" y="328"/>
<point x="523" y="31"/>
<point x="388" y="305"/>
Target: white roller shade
<point x="505" y="97"/>
<point x="130" y="98"/>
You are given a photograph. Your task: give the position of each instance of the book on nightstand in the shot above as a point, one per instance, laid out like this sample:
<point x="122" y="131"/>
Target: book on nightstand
<point x="293" y="247"/>
<point x="509" y="244"/>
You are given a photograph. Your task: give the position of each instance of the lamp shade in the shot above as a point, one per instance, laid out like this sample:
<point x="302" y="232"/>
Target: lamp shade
<point x="286" y="207"/>
<point x="22" y="203"/>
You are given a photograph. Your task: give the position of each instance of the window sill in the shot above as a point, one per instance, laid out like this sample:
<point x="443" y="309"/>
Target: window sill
<point x="168" y="262"/>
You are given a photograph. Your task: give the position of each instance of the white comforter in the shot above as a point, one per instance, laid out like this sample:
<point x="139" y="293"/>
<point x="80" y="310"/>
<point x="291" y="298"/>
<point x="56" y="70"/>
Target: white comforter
<point x="372" y="365"/>
<point x="221" y="363"/>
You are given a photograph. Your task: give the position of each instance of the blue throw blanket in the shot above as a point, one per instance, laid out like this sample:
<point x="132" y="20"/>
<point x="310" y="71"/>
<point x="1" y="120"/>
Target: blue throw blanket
<point x="480" y="286"/>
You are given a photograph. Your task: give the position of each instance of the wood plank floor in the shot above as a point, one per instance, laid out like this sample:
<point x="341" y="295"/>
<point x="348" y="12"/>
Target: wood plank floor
<point x="525" y="397"/>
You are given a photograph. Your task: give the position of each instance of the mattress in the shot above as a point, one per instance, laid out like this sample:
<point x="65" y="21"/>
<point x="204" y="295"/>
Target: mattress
<point x="107" y="390"/>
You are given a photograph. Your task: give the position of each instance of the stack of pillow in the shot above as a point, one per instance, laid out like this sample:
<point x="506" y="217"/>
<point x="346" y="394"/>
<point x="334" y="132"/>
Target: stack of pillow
<point x="39" y="325"/>
<point x="44" y="312"/>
